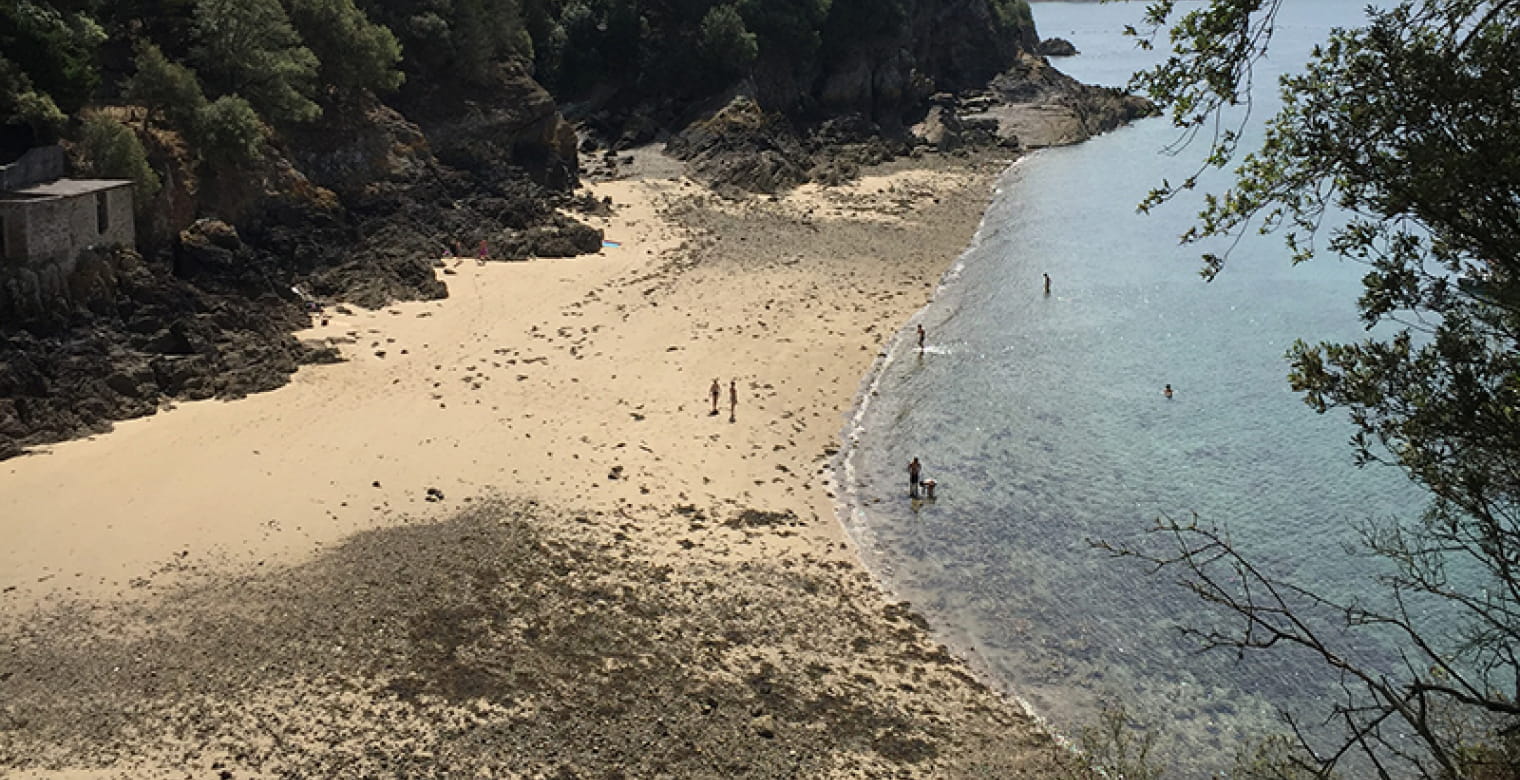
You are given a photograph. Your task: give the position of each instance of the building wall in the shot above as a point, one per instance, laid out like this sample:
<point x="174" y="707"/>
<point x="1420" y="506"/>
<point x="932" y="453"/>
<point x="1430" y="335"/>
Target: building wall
<point x="44" y="163"/>
<point x="43" y="242"/>
<point x="56" y="229"/>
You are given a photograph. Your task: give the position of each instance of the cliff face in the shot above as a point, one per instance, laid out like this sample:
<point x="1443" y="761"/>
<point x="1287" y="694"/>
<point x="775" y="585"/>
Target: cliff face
<point x="940" y="46"/>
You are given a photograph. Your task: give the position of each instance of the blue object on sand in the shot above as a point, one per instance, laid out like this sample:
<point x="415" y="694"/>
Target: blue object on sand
<point x="610" y="243"/>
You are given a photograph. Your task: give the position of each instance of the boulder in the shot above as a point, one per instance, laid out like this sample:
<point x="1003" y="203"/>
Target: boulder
<point x="1057" y="47"/>
<point x="566" y="238"/>
<point x="745" y="147"/>
<point x="209" y="246"/>
<point x="940" y="128"/>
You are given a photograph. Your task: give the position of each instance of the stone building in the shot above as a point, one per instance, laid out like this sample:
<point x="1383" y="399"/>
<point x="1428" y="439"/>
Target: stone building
<point x="47" y="222"/>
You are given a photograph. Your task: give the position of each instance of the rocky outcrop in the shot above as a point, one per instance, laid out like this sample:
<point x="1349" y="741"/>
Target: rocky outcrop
<point x="744" y="146"/>
<point x="355" y="149"/>
<point x="941" y="46"/>
<point x="136" y="335"/>
<point x="1030" y="105"/>
<point x="1057" y="47"/>
<point x="1042" y="106"/>
<point x="511" y="120"/>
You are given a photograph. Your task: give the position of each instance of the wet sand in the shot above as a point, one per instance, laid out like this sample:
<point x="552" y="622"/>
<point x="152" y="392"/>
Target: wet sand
<point x="507" y="537"/>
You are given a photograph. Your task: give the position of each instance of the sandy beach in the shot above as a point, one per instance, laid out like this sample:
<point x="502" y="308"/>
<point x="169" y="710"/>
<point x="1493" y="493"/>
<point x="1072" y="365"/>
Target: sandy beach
<point x="507" y="537"/>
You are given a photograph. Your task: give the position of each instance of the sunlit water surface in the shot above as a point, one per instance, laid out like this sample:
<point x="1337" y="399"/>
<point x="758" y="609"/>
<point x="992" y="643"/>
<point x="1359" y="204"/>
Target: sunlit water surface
<point x="1043" y="420"/>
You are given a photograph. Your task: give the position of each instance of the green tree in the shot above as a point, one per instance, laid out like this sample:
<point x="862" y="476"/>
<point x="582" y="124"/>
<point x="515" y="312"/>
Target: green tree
<point x="230" y="131"/>
<point x="789" y="29"/>
<point x="55" y="49"/>
<point x="110" y="149"/>
<point x="1409" y="125"/>
<point x="456" y="40"/>
<point x="165" y="88"/>
<point x="22" y="104"/>
<point x="249" y="47"/>
<point x="726" y="45"/>
<point x="355" y="54"/>
<point x="1013" y="15"/>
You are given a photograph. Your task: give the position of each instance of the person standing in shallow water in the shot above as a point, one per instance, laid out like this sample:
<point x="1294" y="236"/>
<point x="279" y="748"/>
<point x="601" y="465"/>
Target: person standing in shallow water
<point x="715" y="392"/>
<point x="1167" y="391"/>
<point x="1047" y="283"/>
<point x="914" y="470"/>
<point x="920" y="339"/>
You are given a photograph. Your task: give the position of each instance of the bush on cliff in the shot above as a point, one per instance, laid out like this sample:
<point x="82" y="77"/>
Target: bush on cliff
<point x="165" y="89"/>
<point x="25" y="112"/>
<point x="110" y="149"/>
<point x="230" y="132"/>
<point x="728" y="47"/>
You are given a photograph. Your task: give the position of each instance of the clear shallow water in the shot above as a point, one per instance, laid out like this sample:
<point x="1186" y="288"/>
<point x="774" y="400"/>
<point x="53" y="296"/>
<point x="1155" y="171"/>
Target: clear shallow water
<point x="1044" y="422"/>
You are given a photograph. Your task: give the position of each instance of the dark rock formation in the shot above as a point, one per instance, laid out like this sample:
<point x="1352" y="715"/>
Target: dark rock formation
<point x="138" y="335"/>
<point x="1057" y="47"/>
<point x="1045" y="107"/>
<point x="745" y="147"/>
<point x="510" y="121"/>
<point x="356" y="208"/>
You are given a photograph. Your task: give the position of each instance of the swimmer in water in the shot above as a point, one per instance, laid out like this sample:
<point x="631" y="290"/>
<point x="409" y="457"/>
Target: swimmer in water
<point x="1167" y="391"/>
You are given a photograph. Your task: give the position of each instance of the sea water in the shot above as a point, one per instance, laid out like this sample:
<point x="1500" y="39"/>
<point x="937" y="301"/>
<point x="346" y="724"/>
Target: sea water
<point x="1043" y="419"/>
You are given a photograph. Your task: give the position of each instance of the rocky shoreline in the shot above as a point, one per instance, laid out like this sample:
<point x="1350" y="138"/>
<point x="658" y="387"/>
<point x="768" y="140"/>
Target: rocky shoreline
<point x="210" y="313"/>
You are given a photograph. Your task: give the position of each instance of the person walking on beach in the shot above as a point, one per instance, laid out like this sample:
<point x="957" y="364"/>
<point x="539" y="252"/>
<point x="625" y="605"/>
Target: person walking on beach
<point x="914" y="470"/>
<point x="1047" y="283"/>
<point x="483" y="252"/>
<point x="715" y="391"/>
<point x="733" y="398"/>
<point x="920" y="339"/>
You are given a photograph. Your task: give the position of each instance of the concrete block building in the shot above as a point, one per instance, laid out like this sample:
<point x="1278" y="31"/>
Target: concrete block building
<point x="47" y="222"/>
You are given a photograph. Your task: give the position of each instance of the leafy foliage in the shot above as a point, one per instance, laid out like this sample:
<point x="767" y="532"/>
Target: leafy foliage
<point x="110" y="149"/>
<point x="22" y="105"/>
<point x="1407" y="124"/>
<point x="354" y="54"/>
<point x="165" y="88"/>
<point x="463" y="39"/>
<point x="793" y="27"/>
<point x="1013" y="14"/>
<point x="56" y="50"/>
<point x="727" y="46"/>
<point x="230" y="131"/>
<point x="249" y="48"/>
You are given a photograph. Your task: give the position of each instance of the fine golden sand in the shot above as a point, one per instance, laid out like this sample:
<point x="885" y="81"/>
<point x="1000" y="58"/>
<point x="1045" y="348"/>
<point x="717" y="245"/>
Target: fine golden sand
<point x="507" y="537"/>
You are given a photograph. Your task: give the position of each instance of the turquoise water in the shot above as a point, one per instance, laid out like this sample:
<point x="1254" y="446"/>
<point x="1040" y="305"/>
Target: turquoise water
<point x="1044" y="422"/>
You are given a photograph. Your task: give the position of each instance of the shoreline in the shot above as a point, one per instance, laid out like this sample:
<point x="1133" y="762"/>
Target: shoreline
<point x="853" y="514"/>
<point x="576" y="421"/>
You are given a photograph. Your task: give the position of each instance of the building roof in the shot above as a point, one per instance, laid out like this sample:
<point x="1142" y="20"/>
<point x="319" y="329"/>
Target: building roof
<point x="64" y="188"/>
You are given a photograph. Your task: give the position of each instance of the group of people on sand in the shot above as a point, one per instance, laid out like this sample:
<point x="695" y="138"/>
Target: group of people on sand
<point x="716" y="392"/>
